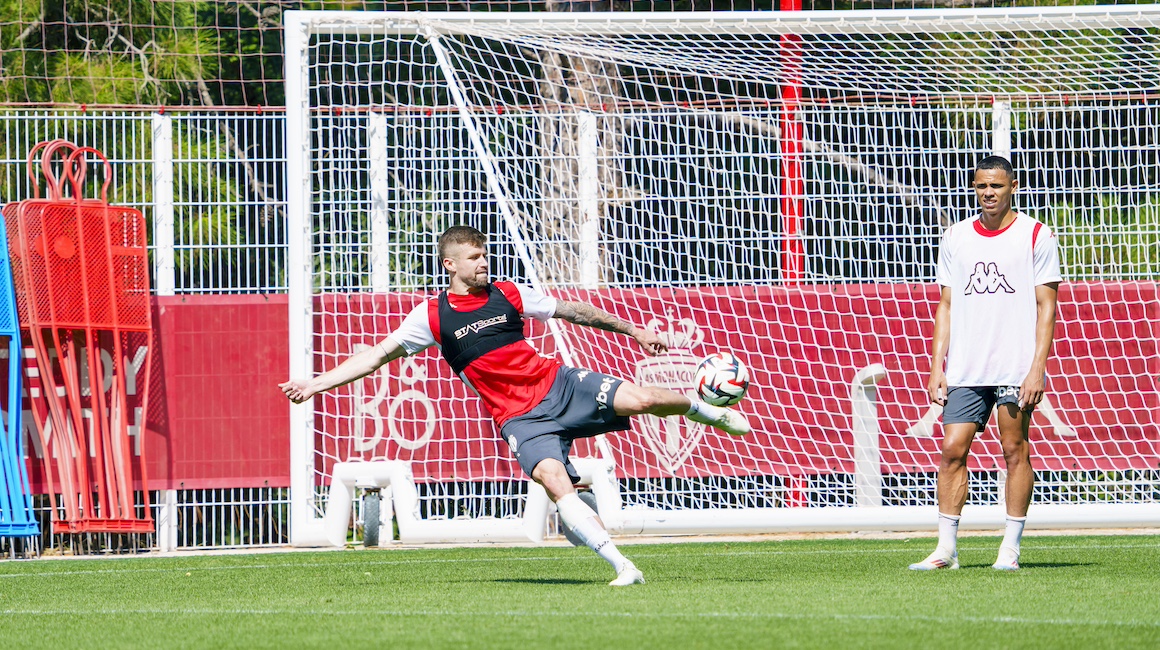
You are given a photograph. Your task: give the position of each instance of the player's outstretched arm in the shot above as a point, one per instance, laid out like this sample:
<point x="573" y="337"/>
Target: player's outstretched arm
<point x="1046" y="299"/>
<point x="355" y="367"/>
<point x="581" y="313"/>
<point x="937" y="385"/>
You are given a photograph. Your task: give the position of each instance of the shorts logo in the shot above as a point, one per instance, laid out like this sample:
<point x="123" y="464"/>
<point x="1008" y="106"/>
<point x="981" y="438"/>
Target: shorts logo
<point x="480" y="324"/>
<point x="512" y="443"/>
<point x="581" y="375"/>
<point x="602" y="396"/>
<point x="1008" y="391"/>
<point x="987" y="279"/>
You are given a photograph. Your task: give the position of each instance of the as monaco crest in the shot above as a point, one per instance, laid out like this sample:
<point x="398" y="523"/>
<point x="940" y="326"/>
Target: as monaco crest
<point x="674" y="438"/>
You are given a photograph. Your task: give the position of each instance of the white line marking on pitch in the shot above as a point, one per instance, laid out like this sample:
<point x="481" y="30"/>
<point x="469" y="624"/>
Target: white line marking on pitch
<point x="1017" y="620"/>
<point x="489" y="560"/>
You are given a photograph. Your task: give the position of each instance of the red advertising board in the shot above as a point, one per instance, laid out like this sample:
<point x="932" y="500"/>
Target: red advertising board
<point x="804" y="346"/>
<point x="217" y="418"/>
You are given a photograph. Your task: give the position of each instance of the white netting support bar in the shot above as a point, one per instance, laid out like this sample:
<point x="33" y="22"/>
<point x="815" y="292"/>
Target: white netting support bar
<point x="487" y="162"/>
<point x="588" y="191"/>
<point x="379" y="186"/>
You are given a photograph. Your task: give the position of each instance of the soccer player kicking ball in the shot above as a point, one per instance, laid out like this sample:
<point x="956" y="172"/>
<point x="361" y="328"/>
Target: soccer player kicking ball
<point x="539" y="405"/>
<point x="999" y="273"/>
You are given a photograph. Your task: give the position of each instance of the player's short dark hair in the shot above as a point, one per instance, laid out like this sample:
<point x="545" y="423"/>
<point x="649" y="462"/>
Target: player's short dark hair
<point x="460" y="235"/>
<point x="995" y="162"/>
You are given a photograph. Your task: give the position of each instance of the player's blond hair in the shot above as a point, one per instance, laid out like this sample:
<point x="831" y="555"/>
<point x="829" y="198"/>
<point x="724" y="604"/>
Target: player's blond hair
<point x="460" y="235"/>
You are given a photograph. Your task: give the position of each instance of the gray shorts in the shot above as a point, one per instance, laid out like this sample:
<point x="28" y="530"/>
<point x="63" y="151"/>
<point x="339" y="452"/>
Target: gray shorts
<point x="579" y="405"/>
<point x="973" y="404"/>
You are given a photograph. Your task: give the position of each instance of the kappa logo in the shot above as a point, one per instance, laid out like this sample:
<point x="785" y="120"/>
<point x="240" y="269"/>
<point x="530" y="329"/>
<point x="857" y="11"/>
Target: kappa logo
<point x="480" y="324"/>
<point x="987" y="279"/>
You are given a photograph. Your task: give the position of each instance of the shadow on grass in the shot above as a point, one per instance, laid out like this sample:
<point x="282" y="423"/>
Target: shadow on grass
<point x="1053" y="565"/>
<point x="544" y="581"/>
<point x="1029" y="565"/>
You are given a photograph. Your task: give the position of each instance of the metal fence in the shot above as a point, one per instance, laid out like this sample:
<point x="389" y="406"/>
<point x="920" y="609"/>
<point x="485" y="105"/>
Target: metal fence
<point x="218" y="518"/>
<point x="211" y="186"/>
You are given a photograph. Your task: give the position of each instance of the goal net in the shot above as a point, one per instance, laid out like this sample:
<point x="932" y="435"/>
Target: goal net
<point x="774" y="185"/>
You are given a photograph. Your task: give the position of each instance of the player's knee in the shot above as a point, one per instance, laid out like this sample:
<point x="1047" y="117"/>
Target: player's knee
<point x="955" y="453"/>
<point x="1016" y="451"/>
<point x="550" y="470"/>
<point x="551" y="474"/>
<point x="956" y="442"/>
<point x="954" y="456"/>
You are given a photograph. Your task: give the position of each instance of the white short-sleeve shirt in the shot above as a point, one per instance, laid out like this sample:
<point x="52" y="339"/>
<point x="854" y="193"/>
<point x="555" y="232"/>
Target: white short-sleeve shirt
<point x="414" y="333"/>
<point x="511" y="379"/>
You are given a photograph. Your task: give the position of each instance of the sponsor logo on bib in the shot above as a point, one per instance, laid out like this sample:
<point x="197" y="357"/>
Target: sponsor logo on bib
<point x="480" y="324"/>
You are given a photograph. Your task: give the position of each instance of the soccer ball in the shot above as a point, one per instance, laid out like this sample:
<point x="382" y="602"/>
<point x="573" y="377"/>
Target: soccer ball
<point x="721" y="379"/>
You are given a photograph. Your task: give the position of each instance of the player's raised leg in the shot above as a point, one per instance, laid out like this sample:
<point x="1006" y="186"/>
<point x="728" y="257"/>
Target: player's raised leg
<point x="952" y="495"/>
<point x="631" y="399"/>
<point x="583" y="520"/>
<point x="1014" y="423"/>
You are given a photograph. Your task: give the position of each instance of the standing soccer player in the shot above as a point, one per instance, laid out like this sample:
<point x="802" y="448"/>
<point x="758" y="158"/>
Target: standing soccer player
<point x="539" y="405"/>
<point x="999" y="273"/>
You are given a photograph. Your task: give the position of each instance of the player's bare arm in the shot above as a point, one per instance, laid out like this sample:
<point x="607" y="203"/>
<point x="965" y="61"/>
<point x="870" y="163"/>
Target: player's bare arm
<point x="581" y="313"/>
<point x="1046" y="298"/>
<point x="356" y="366"/>
<point x="937" y="386"/>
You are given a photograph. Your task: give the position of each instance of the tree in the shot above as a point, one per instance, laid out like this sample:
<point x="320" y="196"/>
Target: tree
<point x="117" y="52"/>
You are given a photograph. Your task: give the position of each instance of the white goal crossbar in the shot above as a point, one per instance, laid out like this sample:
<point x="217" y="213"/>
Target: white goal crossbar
<point x="896" y="21"/>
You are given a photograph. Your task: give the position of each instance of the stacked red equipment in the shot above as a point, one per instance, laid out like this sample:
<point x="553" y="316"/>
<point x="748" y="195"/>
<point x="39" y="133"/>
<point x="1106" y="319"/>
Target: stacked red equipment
<point x="80" y="270"/>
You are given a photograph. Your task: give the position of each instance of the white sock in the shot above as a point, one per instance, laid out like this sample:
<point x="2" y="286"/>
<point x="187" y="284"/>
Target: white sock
<point x="582" y="521"/>
<point x="703" y="413"/>
<point x="1014" y="533"/>
<point x="948" y="532"/>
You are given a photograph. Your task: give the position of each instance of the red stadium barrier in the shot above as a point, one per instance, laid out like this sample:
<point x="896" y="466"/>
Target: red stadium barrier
<point x="216" y="418"/>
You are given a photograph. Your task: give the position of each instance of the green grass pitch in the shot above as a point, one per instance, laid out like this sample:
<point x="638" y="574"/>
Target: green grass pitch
<point x="1073" y="592"/>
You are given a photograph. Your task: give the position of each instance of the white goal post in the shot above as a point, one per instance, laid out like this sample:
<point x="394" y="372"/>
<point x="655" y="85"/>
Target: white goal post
<point x="774" y="184"/>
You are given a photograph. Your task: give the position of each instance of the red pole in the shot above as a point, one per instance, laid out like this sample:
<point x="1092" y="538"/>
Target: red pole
<point x="792" y="185"/>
